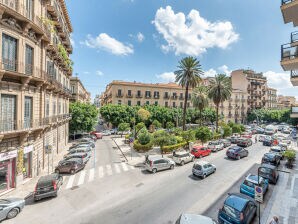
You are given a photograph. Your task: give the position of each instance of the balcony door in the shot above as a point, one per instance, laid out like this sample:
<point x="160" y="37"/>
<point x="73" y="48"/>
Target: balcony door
<point x="8" y="112"/>
<point x="28" y="112"/>
<point x="29" y="60"/>
<point x="9" y="52"/>
<point x="29" y="9"/>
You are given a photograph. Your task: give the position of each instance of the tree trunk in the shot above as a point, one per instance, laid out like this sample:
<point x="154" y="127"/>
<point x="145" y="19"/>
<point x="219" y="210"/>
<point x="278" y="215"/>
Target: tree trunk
<point x="200" y="118"/>
<point x="217" y="105"/>
<point x="185" y="104"/>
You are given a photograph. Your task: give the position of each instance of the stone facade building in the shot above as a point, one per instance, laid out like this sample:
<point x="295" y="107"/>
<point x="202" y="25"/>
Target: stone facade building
<point x="79" y="93"/>
<point x="34" y="87"/>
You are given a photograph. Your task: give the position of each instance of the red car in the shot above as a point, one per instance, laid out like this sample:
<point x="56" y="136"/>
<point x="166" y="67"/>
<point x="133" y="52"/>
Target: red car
<point x="246" y="135"/>
<point x="98" y="135"/>
<point x="200" y="151"/>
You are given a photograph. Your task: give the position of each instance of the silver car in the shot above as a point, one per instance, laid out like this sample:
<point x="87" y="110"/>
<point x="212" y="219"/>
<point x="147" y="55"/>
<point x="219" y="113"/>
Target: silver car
<point x="157" y="163"/>
<point x="10" y="207"/>
<point x="183" y="157"/>
<point x="194" y="219"/>
<point x="215" y="146"/>
<point x="203" y="169"/>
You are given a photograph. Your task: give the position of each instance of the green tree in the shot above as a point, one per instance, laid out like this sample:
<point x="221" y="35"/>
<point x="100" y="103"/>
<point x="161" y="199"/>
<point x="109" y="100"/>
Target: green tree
<point x="144" y="137"/>
<point x="140" y="126"/>
<point x="84" y="117"/>
<point x="220" y="90"/>
<point x="170" y="125"/>
<point x="188" y="136"/>
<point x="123" y="127"/>
<point x="227" y="130"/>
<point x="203" y="134"/>
<point x="200" y="99"/>
<point x="161" y="139"/>
<point x="188" y="76"/>
<point x="143" y="114"/>
<point x="156" y="124"/>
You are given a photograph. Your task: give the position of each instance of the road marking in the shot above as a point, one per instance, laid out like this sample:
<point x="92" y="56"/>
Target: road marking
<point x="70" y="182"/>
<point x="91" y="175"/>
<point x="117" y="168"/>
<point x="100" y="172"/>
<point x="124" y="166"/>
<point x="109" y="169"/>
<point x="82" y="177"/>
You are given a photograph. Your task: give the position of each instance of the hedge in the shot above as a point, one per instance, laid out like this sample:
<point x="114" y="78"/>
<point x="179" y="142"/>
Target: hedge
<point x="142" y="148"/>
<point x="170" y="148"/>
<point x="216" y="136"/>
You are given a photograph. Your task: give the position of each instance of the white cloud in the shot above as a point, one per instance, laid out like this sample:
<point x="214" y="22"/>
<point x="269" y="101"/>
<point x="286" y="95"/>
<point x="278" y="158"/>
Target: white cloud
<point x="224" y="69"/>
<point x="192" y="34"/>
<point x="104" y="42"/>
<point x="72" y="41"/>
<point x="140" y="37"/>
<point x="99" y="73"/>
<point x="167" y="77"/>
<point x="210" y="73"/>
<point x="86" y="73"/>
<point x="278" y="80"/>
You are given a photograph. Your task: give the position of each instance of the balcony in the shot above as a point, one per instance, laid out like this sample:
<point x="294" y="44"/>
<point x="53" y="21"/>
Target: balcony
<point x="294" y="112"/>
<point x="139" y="96"/>
<point x="289" y="10"/>
<point x="129" y="96"/>
<point x="294" y="77"/>
<point x="147" y="96"/>
<point x="166" y="97"/>
<point x="181" y="98"/>
<point x="174" y="97"/>
<point x="289" y="57"/>
<point x="156" y="96"/>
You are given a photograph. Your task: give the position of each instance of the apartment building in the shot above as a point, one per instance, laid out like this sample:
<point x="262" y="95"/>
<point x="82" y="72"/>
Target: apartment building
<point x="271" y="98"/>
<point x="289" y="51"/>
<point x="34" y="87"/>
<point x="78" y="91"/>
<point x="97" y="101"/>
<point x="286" y="102"/>
<point x="137" y="93"/>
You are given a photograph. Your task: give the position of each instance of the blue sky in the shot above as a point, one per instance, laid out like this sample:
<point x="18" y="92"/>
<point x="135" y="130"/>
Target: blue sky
<point x="143" y="40"/>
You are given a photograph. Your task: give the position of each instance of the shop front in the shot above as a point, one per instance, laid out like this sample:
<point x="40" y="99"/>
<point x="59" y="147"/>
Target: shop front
<point x="27" y="161"/>
<point x="7" y="170"/>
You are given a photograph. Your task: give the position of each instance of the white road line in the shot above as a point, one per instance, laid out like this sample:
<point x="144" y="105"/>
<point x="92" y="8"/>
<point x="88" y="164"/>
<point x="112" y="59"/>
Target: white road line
<point x="82" y="177"/>
<point x="124" y="166"/>
<point x="109" y="169"/>
<point x="100" y="172"/>
<point x="70" y="182"/>
<point x="117" y="168"/>
<point x="91" y="175"/>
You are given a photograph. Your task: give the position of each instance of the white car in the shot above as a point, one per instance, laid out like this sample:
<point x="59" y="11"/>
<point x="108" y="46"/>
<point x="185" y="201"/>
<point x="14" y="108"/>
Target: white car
<point x="183" y="157"/>
<point x="194" y="219"/>
<point x="215" y="146"/>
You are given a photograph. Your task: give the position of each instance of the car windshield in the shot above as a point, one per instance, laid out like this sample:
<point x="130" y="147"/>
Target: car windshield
<point x="232" y="212"/>
<point x="3" y="201"/>
<point x="269" y="156"/>
<point x="197" y="167"/>
<point x="275" y="149"/>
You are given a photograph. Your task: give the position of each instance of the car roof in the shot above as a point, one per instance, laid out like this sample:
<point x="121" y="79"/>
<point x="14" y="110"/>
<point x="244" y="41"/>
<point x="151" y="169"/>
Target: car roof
<point x="234" y="147"/>
<point x="76" y="154"/>
<point x="266" y="165"/>
<point x="237" y="201"/>
<point x="202" y="163"/>
<point x="253" y="178"/>
<point x="181" y="153"/>
<point x="270" y="154"/>
<point x="156" y="157"/>
<point x="275" y="147"/>
<point x="194" y="219"/>
<point x="48" y="177"/>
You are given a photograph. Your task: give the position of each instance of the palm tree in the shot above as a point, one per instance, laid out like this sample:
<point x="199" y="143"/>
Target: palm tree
<point x="188" y="76"/>
<point x="220" y="90"/>
<point x="200" y="99"/>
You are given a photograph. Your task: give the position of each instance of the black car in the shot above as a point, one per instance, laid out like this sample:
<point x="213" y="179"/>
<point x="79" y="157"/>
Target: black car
<point x="236" y="152"/>
<point x="48" y="186"/>
<point x="244" y="142"/>
<point x="271" y="158"/>
<point x="269" y="172"/>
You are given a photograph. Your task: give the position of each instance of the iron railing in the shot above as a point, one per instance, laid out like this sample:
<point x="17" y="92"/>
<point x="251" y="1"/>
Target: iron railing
<point x="284" y="2"/>
<point x="294" y="37"/>
<point x="294" y="74"/>
<point x="289" y="52"/>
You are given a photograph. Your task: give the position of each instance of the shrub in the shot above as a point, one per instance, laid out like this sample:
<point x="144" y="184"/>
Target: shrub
<point x="127" y="136"/>
<point x="203" y="134"/>
<point x="170" y="125"/>
<point x="172" y="140"/>
<point x="156" y="124"/>
<point x="188" y="136"/>
<point x="142" y="148"/>
<point x="144" y="138"/>
<point x="170" y="148"/>
<point x="290" y="154"/>
<point x="179" y="139"/>
<point x="216" y="136"/>
<point x="227" y="130"/>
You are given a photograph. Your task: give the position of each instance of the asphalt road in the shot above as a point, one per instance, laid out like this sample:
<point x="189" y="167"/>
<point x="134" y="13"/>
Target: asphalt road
<point x="135" y="196"/>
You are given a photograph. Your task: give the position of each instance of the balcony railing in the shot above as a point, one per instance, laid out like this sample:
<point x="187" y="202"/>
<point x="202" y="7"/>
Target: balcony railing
<point x="284" y="2"/>
<point x="294" y="74"/>
<point x="294" y="37"/>
<point x="289" y="52"/>
<point x="156" y="97"/>
<point x="139" y="96"/>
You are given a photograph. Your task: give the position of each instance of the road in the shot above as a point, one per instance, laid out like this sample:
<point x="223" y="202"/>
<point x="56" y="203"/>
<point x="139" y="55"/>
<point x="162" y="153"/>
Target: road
<point x="114" y="192"/>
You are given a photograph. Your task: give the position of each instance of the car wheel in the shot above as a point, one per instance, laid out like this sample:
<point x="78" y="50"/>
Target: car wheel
<point x="172" y="167"/>
<point x="154" y="170"/>
<point x="214" y="170"/>
<point x="12" y="213"/>
<point x="204" y="176"/>
<point x="182" y="163"/>
<point x="72" y="171"/>
<point x="238" y="157"/>
<point x="193" y="159"/>
<point x="57" y="171"/>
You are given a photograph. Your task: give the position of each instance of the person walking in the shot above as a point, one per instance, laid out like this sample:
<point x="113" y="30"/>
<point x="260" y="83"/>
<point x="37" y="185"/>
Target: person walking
<point x="256" y="138"/>
<point x="274" y="220"/>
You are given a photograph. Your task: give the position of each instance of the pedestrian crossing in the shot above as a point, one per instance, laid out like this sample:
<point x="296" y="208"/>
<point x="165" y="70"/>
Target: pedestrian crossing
<point x="87" y="176"/>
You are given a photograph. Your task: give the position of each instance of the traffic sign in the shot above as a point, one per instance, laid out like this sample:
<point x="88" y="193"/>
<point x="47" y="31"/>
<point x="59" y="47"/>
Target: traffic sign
<point x="259" y="194"/>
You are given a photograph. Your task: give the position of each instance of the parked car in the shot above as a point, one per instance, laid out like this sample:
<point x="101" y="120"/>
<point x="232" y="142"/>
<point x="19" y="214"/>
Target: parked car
<point x="262" y="138"/>
<point x="157" y="163"/>
<point x="246" y="135"/>
<point x="215" y="146"/>
<point x="97" y="134"/>
<point x="183" y="157"/>
<point x="89" y="136"/>
<point x="270" y="130"/>
<point x="283" y="145"/>
<point x="269" y="172"/>
<point x="286" y="131"/>
<point x="106" y="133"/>
<point x="248" y="185"/>
<point x="280" y="127"/>
<point x="271" y="158"/>
<point x="79" y="149"/>
<point x="278" y="150"/>
<point x="200" y="151"/>
<point x="11" y="207"/>
<point x="233" y="139"/>
<point x="244" y="142"/>
<point x="80" y="145"/>
<point x="269" y="141"/>
<point x="237" y="209"/>
<point x="226" y="142"/>
<point x="194" y="219"/>
<point x="70" y="166"/>
<point x="260" y="130"/>
<point x="48" y="186"/>
<point x="113" y="131"/>
<point x="84" y="156"/>
<point x="203" y="169"/>
<point x="87" y="139"/>
<point x="236" y="152"/>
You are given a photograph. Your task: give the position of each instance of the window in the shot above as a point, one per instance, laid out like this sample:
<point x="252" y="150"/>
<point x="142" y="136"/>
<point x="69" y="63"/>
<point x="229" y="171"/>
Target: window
<point x="139" y="93"/>
<point x="119" y="93"/>
<point x="54" y="108"/>
<point x="156" y="94"/>
<point x="29" y="9"/>
<point x="181" y="104"/>
<point x="28" y="112"/>
<point x="139" y="103"/>
<point x="129" y="92"/>
<point x="129" y="103"/>
<point x="51" y="69"/>
<point x="174" y="104"/>
<point x="72" y="89"/>
<point x="147" y="94"/>
<point x="8" y="112"/>
<point x="181" y="95"/>
<point x="188" y="104"/>
<point x="147" y="102"/>
<point x="166" y="104"/>
<point x="47" y="109"/>
<point x="156" y="103"/>
<point x="166" y="94"/>
<point x="59" y="106"/>
<point x="119" y="102"/>
<point x="174" y="95"/>
<point x="9" y="52"/>
<point x="28" y="60"/>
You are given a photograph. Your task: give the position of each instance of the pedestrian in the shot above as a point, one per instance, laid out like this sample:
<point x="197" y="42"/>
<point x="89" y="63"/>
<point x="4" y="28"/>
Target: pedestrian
<point x="256" y="138"/>
<point x="274" y="220"/>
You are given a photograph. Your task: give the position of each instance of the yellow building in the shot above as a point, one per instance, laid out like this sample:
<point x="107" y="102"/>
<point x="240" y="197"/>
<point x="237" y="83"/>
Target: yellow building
<point x="79" y="93"/>
<point x="34" y="86"/>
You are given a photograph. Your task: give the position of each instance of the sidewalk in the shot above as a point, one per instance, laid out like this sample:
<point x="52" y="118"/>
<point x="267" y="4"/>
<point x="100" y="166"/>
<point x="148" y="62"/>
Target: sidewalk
<point x="284" y="200"/>
<point x="25" y="189"/>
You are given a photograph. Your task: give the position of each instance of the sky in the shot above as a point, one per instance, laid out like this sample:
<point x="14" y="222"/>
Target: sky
<point x="143" y="40"/>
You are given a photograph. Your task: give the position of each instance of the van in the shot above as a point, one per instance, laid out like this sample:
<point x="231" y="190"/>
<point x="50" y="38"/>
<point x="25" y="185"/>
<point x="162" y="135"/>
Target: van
<point x="269" y="172"/>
